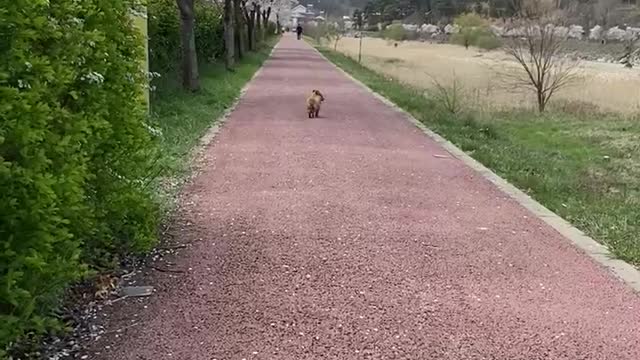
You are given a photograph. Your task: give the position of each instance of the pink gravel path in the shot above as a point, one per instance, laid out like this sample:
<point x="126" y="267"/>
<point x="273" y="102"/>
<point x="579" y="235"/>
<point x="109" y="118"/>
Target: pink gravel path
<point x="344" y="237"/>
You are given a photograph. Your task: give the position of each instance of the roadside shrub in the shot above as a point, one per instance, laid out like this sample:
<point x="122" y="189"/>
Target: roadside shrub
<point x="164" y="34"/>
<point x="272" y="29"/>
<point x="474" y="31"/>
<point x="449" y="97"/>
<point x="318" y="32"/>
<point x="488" y="42"/>
<point x="74" y="152"/>
<point x="395" y="32"/>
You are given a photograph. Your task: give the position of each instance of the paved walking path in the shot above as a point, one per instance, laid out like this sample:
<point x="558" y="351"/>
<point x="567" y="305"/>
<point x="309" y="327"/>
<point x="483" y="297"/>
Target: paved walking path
<point x="350" y="237"/>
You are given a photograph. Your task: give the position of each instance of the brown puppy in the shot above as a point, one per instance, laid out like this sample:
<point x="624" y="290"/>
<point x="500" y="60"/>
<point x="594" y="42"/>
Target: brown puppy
<point x="313" y="103"/>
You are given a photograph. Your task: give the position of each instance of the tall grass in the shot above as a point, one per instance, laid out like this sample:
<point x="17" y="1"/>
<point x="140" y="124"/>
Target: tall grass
<point x="609" y="87"/>
<point x="585" y="167"/>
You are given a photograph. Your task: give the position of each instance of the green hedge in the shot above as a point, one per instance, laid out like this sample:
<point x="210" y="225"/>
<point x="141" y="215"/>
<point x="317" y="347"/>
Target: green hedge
<point x="164" y="34"/>
<point x="474" y="30"/>
<point x="75" y="152"/>
<point x="398" y="33"/>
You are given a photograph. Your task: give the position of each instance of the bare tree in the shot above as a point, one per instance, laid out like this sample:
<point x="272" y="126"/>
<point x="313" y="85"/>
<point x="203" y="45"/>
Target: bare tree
<point x="190" y="77"/>
<point x="630" y="52"/>
<point x="229" y="46"/>
<point x="334" y="34"/>
<point x="258" y="21"/>
<point x="448" y="96"/>
<point x="543" y="68"/>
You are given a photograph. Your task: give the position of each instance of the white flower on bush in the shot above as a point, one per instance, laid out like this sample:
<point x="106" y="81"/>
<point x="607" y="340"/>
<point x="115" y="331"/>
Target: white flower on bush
<point x="152" y="130"/>
<point x="429" y="29"/>
<point x="77" y="21"/>
<point x="576" y="32"/>
<point x="150" y="87"/>
<point x="116" y="174"/>
<point x="497" y="30"/>
<point x="93" y="78"/>
<point x="79" y="61"/>
<point x="632" y="33"/>
<point x="410" y="27"/>
<point x="23" y="84"/>
<point x="451" y="29"/>
<point x="561" y="31"/>
<point x="615" y="33"/>
<point x="138" y="13"/>
<point x="153" y="75"/>
<point x="595" y="33"/>
<point x="634" y="30"/>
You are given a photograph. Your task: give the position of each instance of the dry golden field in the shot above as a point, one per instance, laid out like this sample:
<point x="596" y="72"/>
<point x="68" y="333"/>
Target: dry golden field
<point x="603" y="86"/>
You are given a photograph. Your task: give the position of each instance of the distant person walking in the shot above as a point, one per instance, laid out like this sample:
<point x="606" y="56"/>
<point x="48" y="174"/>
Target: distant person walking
<point x="299" y="31"/>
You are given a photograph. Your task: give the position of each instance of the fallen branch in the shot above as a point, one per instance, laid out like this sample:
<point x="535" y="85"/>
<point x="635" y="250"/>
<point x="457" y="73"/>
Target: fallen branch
<point x="173" y="247"/>
<point x="167" y="270"/>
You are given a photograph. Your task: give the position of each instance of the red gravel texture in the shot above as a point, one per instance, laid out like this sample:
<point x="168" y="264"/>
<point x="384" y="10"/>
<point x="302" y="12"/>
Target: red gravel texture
<point x="351" y="236"/>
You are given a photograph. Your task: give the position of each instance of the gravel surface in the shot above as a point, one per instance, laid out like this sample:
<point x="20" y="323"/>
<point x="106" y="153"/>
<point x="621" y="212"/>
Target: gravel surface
<point x="354" y="236"/>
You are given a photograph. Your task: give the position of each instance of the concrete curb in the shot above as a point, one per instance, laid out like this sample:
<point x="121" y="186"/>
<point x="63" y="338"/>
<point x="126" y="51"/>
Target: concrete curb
<point x="598" y="252"/>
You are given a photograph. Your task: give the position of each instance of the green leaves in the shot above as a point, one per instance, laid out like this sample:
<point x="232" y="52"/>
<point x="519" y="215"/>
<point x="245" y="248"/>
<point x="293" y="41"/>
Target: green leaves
<point x="70" y="111"/>
<point x="474" y="30"/>
<point x="164" y="33"/>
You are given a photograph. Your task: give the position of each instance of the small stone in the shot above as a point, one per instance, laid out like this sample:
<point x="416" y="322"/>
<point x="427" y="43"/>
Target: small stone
<point x="136" y="291"/>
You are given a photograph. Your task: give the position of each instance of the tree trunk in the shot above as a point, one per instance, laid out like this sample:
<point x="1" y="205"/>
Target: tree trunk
<point x="258" y="17"/>
<point x="229" y="45"/>
<point x="249" y="17"/>
<point x="239" y="40"/>
<point x="190" y="78"/>
<point x="542" y="102"/>
<point x="265" y="23"/>
<point x="252" y="30"/>
<point x="265" y="20"/>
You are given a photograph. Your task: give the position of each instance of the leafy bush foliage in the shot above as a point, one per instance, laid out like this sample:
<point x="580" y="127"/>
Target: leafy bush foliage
<point x="164" y="33"/>
<point x="271" y="29"/>
<point x="74" y="152"/>
<point x="474" y="31"/>
<point x="488" y="42"/>
<point x="317" y="32"/>
<point x="397" y="32"/>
